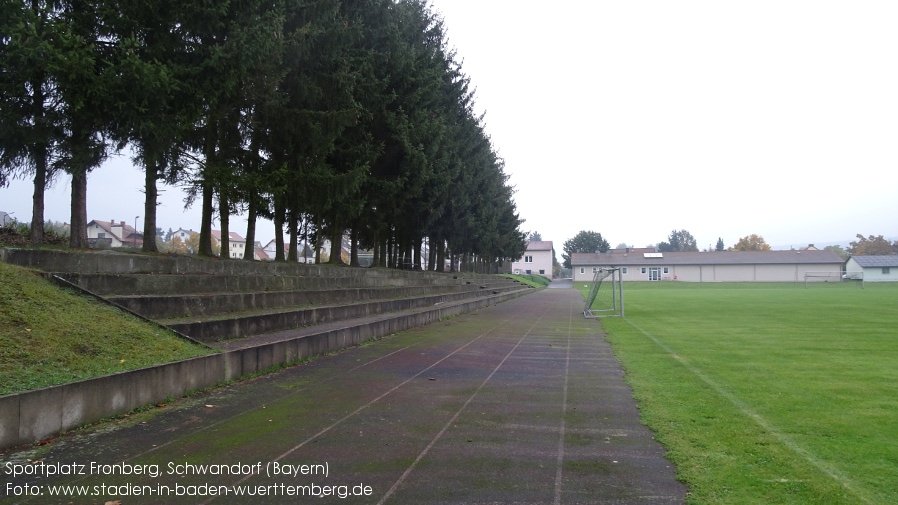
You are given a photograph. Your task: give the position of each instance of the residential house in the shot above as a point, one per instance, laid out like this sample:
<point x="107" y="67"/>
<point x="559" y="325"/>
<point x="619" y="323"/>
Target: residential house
<point x="873" y="268"/>
<point x="727" y="266"/>
<point x="105" y="234"/>
<point x="236" y="247"/>
<point x="6" y="219"/>
<point x="305" y="254"/>
<point x="537" y="259"/>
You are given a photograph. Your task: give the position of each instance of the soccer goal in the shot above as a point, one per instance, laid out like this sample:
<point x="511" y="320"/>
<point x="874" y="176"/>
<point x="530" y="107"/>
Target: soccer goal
<point x="811" y="278"/>
<point x="606" y="294"/>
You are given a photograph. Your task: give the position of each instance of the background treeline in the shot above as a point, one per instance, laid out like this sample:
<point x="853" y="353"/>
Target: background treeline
<point x="327" y="117"/>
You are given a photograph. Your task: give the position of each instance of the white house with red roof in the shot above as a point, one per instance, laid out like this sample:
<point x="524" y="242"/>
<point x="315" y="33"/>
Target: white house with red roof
<point x="113" y="234"/>
<point x="236" y="246"/>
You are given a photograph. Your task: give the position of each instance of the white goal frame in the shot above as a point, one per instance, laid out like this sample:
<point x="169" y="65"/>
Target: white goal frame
<point x="813" y="277"/>
<point x="610" y="277"/>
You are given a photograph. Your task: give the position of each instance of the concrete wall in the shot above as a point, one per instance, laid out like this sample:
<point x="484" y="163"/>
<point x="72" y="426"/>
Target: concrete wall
<point x="112" y="262"/>
<point x="35" y="415"/>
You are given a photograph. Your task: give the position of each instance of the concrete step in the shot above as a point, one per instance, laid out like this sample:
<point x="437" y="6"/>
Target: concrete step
<point x="171" y="284"/>
<point x="209" y="304"/>
<point x="241" y="325"/>
<point x="338" y="334"/>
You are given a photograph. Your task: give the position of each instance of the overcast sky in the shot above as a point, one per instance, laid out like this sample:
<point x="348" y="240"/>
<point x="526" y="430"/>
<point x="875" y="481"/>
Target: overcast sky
<point x="633" y="119"/>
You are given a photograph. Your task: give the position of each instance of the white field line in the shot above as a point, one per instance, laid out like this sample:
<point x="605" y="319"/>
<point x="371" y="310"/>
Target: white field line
<point x="365" y="406"/>
<point x="179" y="437"/>
<point x="822" y="466"/>
<point x="451" y="421"/>
<point x="561" y="428"/>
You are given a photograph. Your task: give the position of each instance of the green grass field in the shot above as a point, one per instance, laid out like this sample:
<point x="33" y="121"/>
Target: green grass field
<point x="768" y="393"/>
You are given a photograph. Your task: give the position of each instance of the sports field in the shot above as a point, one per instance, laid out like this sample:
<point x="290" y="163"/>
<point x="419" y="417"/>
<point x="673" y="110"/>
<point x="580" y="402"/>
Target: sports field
<point x="768" y="393"/>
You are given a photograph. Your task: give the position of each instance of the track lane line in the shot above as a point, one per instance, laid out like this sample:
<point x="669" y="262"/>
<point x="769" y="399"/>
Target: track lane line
<point x="449" y="423"/>
<point x="563" y="424"/>
<point x="365" y="406"/>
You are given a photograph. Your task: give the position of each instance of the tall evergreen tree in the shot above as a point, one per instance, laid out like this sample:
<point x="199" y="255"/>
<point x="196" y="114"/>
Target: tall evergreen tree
<point x="29" y="100"/>
<point x="82" y="74"/>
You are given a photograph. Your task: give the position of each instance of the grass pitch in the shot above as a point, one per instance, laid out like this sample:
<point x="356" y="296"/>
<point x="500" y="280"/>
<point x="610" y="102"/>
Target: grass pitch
<point x="768" y="393"/>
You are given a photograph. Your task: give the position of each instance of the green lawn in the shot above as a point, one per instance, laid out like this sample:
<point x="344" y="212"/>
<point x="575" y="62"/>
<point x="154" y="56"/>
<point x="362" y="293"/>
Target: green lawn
<point x="768" y="393"/>
<point x="51" y="336"/>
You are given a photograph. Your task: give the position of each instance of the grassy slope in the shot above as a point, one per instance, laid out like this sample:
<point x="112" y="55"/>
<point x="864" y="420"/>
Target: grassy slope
<point x="768" y="393"/>
<point x="532" y="280"/>
<point x="50" y="336"/>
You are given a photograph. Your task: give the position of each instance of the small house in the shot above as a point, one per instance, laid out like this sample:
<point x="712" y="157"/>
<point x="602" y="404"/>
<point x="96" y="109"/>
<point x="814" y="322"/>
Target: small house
<point x="873" y="268"/>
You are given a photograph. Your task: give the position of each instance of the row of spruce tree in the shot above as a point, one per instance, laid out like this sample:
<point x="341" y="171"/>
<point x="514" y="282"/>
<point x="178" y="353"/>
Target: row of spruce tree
<point x="352" y="115"/>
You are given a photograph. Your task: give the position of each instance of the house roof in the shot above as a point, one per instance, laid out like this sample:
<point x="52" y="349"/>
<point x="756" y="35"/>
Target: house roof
<point x="707" y="258"/>
<point x="632" y="250"/>
<point x="876" y="261"/>
<point x="129" y="234"/>
<point x="261" y="254"/>
<point x="539" y="245"/>
<point x="232" y="236"/>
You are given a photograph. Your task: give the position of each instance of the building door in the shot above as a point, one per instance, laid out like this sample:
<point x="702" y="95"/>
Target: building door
<point x="655" y="274"/>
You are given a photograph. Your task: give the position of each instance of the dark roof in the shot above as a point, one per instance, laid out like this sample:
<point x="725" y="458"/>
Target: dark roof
<point x="876" y="261"/>
<point x="708" y="258"/>
<point x="542" y="245"/>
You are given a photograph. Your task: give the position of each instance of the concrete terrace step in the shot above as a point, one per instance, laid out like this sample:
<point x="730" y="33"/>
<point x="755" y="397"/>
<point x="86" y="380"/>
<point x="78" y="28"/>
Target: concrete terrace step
<point x="105" y="284"/>
<point x="210" y="304"/>
<point x="337" y="334"/>
<point x="240" y="325"/>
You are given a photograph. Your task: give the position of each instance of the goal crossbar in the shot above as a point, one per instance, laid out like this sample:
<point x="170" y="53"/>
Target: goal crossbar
<point x="833" y="276"/>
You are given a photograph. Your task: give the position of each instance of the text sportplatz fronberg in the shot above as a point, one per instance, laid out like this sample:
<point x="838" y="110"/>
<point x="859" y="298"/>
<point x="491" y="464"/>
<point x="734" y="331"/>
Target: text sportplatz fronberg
<point x="148" y="480"/>
<point x="269" y="469"/>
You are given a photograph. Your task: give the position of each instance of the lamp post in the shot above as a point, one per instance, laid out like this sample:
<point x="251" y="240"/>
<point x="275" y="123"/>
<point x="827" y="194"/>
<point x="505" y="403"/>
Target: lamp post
<point x="134" y="236"/>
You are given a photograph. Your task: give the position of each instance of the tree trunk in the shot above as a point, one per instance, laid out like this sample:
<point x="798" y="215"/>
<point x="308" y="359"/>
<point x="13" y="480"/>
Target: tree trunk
<point x="416" y="254"/>
<point x="149" y="206"/>
<point x="354" y="248"/>
<point x="249" y="253"/>
<point x="279" y="212"/>
<point x="78" y="226"/>
<point x="441" y="255"/>
<point x="40" y="187"/>
<point x="206" y="221"/>
<point x="224" y="215"/>
<point x="390" y="252"/>
<point x="336" y="246"/>
<point x="293" y="220"/>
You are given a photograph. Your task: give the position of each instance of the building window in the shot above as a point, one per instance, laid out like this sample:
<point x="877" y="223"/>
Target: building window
<point x="667" y="270"/>
<point x="582" y="270"/>
<point x="542" y="272"/>
<point x="623" y="270"/>
<point x="101" y="235"/>
<point x="643" y="269"/>
<point x="885" y="270"/>
<point x="528" y="259"/>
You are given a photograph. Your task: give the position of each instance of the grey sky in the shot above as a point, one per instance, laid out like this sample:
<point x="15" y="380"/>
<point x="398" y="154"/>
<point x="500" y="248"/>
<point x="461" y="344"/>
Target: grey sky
<point x="635" y="118"/>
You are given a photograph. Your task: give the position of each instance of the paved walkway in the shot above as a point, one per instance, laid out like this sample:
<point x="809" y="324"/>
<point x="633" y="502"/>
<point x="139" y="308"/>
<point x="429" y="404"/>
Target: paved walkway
<point x="522" y="402"/>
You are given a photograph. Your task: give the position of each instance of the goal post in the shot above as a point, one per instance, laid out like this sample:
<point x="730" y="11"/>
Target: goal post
<point x="606" y="294"/>
<point x="813" y="277"/>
